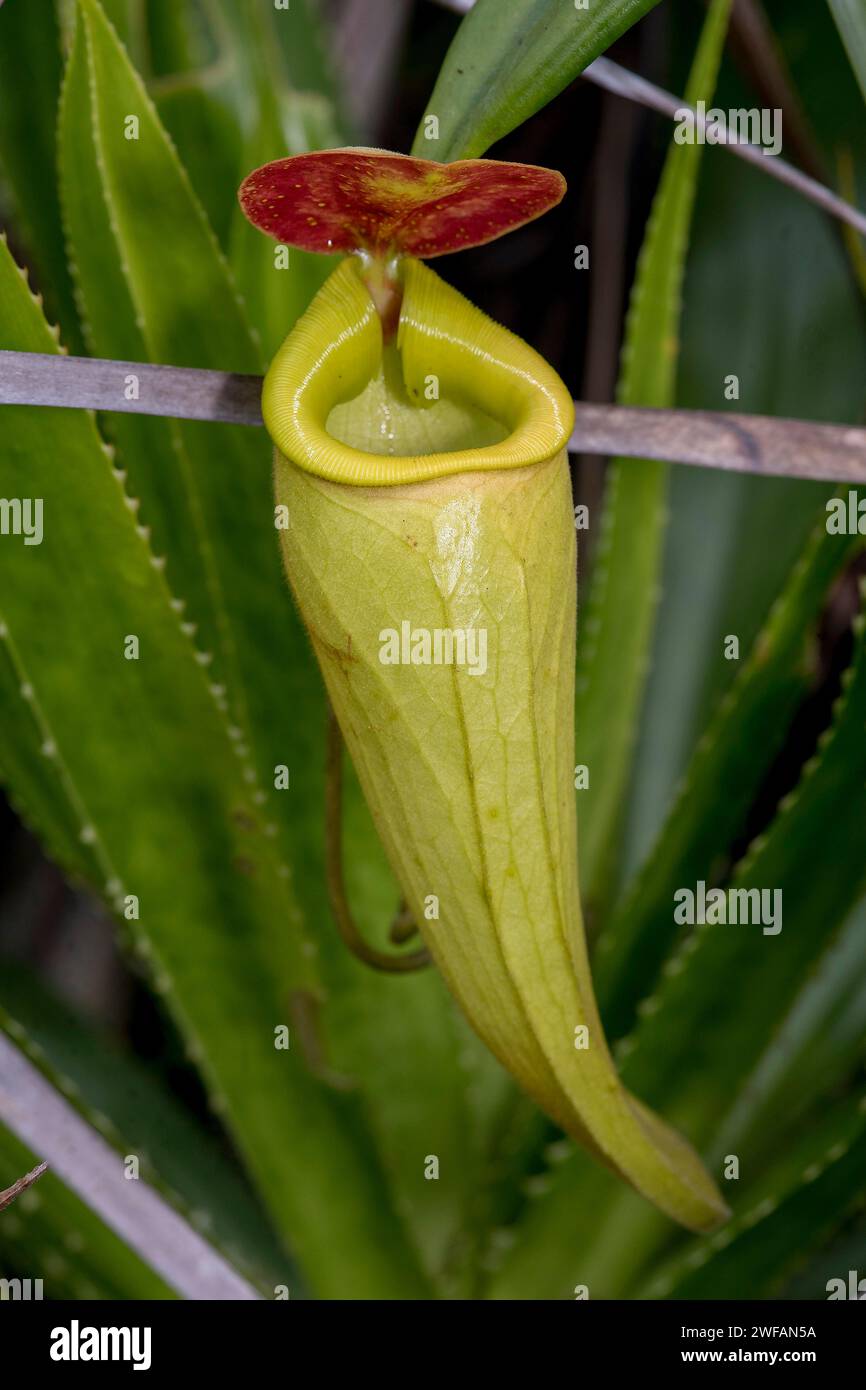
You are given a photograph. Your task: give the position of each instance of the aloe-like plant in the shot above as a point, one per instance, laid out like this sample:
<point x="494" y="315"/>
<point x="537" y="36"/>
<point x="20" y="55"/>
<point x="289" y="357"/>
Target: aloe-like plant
<point x="396" y="995"/>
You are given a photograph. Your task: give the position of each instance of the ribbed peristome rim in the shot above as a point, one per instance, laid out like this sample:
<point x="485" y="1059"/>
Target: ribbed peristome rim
<point x="336" y="348"/>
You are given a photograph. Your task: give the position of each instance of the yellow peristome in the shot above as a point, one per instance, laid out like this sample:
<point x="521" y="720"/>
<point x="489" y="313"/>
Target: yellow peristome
<point x="336" y="350"/>
<point x="467" y="765"/>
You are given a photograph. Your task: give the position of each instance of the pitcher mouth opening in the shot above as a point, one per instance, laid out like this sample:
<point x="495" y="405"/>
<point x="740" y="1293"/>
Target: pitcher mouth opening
<point x="453" y="392"/>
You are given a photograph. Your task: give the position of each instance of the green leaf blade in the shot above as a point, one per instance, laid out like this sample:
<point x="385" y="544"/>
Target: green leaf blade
<point x="735" y="752"/>
<point x="814" y="856"/>
<point x="508" y="61"/>
<point x="30" y="42"/>
<point x="798" y="1204"/>
<point x="850" y="17"/>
